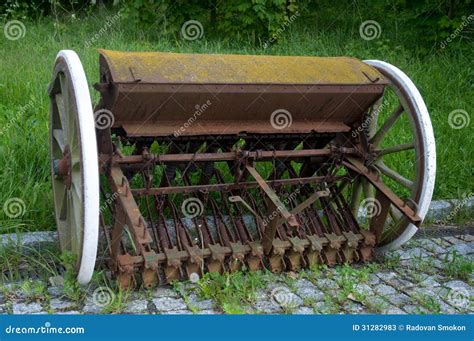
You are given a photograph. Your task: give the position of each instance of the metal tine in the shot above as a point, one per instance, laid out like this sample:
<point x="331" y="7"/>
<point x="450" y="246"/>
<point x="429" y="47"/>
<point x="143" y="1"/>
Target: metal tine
<point x="187" y="243"/>
<point x="154" y="228"/>
<point x="289" y="231"/>
<point x="177" y="226"/>
<point x="230" y="146"/>
<point x="296" y="257"/>
<point x="183" y="238"/>
<point x="337" y="213"/>
<point x="314" y="213"/>
<point x="225" y="237"/>
<point x="312" y="216"/>
<point x="350" y="254"/>
<point x="241" y="232"/>
<point x="199" y="222"/>
<point x="244" y="235"/>
<point x="306" y="221"/>
<point x="236" y="260"/>
<point x="169" y="170"/>
<point x="163" y="234"/>
<point x="238" y="221"/>
<point x="208" y="167"/>
<point x="172" y="270"/>
<point x="254" y="205"/>
<point x="333" y="223"/>
<point x="190" y="167"/>
<point x="344" y="209"/>
<point x="293" y="203"/>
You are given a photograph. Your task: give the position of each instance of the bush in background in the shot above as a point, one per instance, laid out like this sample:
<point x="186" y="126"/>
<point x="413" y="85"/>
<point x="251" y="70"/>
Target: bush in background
<point x="254" y="19"/>
<point x="419" y="24"/>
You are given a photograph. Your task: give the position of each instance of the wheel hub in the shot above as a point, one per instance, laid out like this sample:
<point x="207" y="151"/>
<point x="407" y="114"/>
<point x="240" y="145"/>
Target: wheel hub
<point x="62" y="167"/>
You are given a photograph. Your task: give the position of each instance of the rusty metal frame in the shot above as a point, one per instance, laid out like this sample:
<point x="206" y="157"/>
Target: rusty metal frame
<point x="297" y="235"/>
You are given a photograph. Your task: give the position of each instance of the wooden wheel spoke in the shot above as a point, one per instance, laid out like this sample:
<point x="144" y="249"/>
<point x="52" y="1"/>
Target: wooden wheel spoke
<point x="71" y="224"/>
<point x="378" y="221"/>
<point x="394" y="175"/>
<point x="387" y="125"/>
<point x="75" y="161"/>
<point x="59" y="138"/>
<point x="394" y="214"/>
<point x="63" y="204"/>
<point x="396" y="149"/>
<point x="373" y="117"/>
<point x="69" y="127"/>
<point x="72" y="135"/>
<point x="356" y="196"/>
<point x="74" y="221"/>
<point x="367" y="188"/>
<point x="65" y="91"/>
<point x="62" y="115"/>
<point x="77" y="185"/>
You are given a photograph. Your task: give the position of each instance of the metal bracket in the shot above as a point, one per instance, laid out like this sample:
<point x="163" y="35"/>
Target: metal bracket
<point x="195" y="254"/>
<point x="297" y="244"/>
<point x="352" y="239"/>
<point x="238" y="251"/>
<point x="335" y="241"/>
<point x="173" y="262"/>
<point x="350" y="249"/>
<point x="317" y="243"/>
<point x="308" y="202"/>
<point x="332" y="249"/>
<point x="125" y="264"/>
<point x="254" y="260"/>
<point x="375" y="180"/>
<point x="290" y="218"/>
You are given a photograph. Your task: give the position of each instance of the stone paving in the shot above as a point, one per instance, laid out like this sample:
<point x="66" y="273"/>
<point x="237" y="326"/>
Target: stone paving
<point x="422" y="277"/>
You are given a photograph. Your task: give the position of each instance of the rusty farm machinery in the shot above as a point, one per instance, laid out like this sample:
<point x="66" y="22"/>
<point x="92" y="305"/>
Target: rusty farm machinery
<point x="193" y="163"/>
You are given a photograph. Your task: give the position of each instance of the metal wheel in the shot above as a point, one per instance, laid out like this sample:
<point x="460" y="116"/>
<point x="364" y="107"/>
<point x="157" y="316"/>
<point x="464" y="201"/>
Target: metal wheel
<point x="74" y="163"/>
<point x="401" y="143"/>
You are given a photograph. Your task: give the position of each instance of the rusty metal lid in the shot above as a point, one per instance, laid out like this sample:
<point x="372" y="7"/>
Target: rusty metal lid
<point x="181" y="68"/>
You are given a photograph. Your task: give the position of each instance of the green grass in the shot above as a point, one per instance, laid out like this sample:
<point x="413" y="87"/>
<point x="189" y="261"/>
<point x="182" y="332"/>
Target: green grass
<point x="444" y="79"/>
<point x="233" y="292"/>
<point x="24" y="262"/>
<point x="457" y="266"/>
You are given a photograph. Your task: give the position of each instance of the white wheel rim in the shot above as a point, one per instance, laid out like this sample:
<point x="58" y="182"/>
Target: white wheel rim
<point x="427" y="139"/>
<point x="89" y="165"/>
